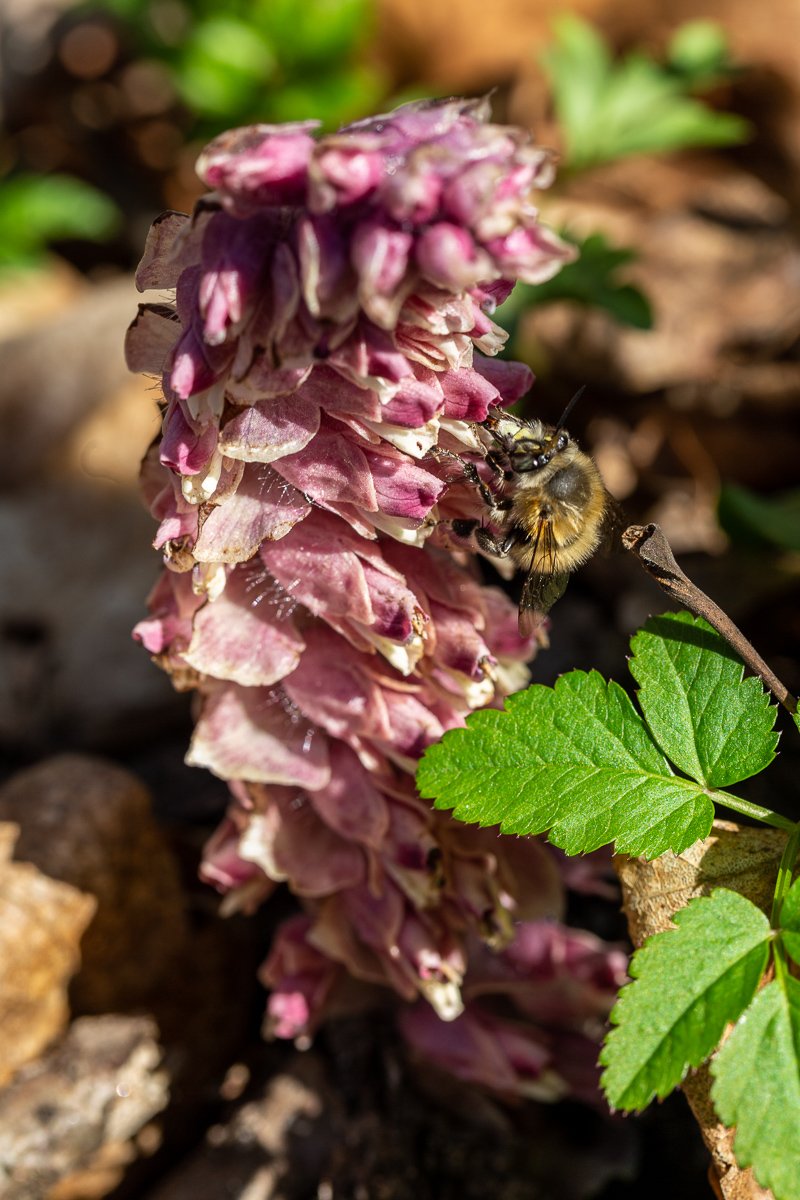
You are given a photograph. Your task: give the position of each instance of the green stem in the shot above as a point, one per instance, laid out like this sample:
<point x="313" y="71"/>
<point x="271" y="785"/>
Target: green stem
<point x="754" y="811"/>
<point x="784" y="880"/>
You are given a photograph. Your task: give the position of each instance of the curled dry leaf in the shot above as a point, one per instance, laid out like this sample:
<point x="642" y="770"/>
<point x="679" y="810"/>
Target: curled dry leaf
<point x="41" y="924"/>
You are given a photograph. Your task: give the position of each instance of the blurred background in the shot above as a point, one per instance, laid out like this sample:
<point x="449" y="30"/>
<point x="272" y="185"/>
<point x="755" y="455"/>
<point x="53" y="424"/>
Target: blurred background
<point x="678" y="126"/>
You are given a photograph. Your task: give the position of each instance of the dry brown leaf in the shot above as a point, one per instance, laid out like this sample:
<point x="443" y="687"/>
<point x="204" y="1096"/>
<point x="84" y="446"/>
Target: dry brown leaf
<point x="41" y="925"/>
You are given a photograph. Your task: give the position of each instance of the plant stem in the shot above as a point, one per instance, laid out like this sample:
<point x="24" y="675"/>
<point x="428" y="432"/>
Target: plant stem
<point x="746" y="809"/>
<point x="654" y="552"/>
<point x="784" y="880"/>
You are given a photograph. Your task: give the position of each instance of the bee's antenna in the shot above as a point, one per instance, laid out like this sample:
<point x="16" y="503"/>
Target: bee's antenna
<point x="563" y="418"/>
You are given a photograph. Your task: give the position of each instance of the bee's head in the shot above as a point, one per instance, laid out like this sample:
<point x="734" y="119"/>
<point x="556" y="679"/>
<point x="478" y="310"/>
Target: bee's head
<point x="533" y="453"/>
<point x="528" y="446"/>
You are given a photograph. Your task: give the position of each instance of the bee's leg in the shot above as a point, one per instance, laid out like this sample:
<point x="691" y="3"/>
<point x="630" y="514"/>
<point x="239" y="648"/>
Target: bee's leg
<point x="495" y="462"/>
<point x="499" y="546"/>
<point x="487" y="495"/>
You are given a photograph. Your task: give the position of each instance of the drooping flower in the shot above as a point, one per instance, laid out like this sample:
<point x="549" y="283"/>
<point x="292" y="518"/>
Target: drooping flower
<point x="328" y="353"/>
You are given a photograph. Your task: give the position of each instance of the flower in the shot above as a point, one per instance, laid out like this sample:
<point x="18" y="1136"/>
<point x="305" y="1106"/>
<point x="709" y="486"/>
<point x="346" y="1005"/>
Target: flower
<point x="326" y="356"/>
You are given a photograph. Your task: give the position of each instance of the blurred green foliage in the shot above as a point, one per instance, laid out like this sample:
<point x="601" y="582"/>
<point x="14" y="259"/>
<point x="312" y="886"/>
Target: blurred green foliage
<point x="698" y="53"/>
<point x="36" y="210"/>
<point x="258" y="60"/>
<point x="284" y="60"/>
<point x="766" y="521"/>
<point x="608" y="110"/>
<point x="591" y="281"/>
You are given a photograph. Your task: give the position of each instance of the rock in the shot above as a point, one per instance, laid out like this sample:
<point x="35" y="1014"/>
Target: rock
<point x="60" y="371"/>
<point x="77" y="566"/>
<point x="88" y="823"/>
<point x="273" y="1147"/>
<point x="68" y="1122"/>
<point x="41" y="924"/>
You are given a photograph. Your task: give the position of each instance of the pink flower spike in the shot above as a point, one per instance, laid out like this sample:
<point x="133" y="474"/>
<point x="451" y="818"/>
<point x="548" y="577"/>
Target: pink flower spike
<point x="332" y="331"/>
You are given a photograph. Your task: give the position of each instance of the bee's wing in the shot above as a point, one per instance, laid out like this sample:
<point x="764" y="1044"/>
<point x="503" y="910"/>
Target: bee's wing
<point x="544" y="584"/>
<point x="539" y="594"/>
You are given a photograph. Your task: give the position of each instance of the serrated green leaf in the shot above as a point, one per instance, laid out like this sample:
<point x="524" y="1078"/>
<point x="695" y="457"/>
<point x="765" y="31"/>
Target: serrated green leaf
<point x="757" y="1088"/>
<point x="688" y="983"/>
<point x="576" y="760"/>
<point x="756" y="520"/>
<point x="712" y="723"/>
<point x="790" y="921"/>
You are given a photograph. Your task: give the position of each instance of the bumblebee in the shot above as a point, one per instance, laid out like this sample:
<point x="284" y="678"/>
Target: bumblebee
<point x="548" y="503"/>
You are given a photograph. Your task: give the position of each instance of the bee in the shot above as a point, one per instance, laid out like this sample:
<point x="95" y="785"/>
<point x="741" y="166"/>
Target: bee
<point x="549" y="505"/>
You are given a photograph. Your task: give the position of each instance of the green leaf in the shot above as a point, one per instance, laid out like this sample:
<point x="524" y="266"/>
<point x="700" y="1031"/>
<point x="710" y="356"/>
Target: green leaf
<point x="314" y="33"/>
<point x="689" y="983"/>
<point x="790" y="921"/>
<point x="578" y="65"/>
<point x="756" y="520"/>
<point x="590" y="280"/>
<point x="576" y="760"/>
<point x="712" y="723"/>
<point x="698" y="50"/>
<point x="224" y="63"/>
<point x="334" y="99"/>
<point x="608" y="110"/>
<point x="36" y="210"/>
<point x="757" y="1087"/>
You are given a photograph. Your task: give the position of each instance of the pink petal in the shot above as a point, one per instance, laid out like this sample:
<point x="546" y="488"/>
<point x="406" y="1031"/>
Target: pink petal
<point x="301" y="979"/>
<point x="338" y="395"/>
<point x="150" y="338"/>
<point x="263" y="508"/>
<point x="332" y="689"/>
<point x="416" y="401"/>
<point x="318" y="567"/>
<point x="459" y="647"/>
<point x="380" y="255"/>
<point x="468" y="395"/>
<point x="167" y="252"/>
<point x="462" y="1047"/>
<point x="340" y="174"/>
<point x="298" y="847"/>
<point x="403" y="489"/>
<point x="351" y="803"/>
<point x="186" y="448"/>
<point x="332" y="468"/>
<point x="511" y="379"/>
<point x="531" y="255"/>
<point x="234" y="255"/>
<point x="259" y="165"/>
<point x="234" y="637"/>
<point x="249" y="733"/>
<point x="270" y="429"/>
<point x="447" y="255"/>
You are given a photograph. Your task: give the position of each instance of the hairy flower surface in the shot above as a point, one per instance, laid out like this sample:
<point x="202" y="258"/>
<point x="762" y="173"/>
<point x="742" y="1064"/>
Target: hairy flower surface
<point x="327" y="353"/>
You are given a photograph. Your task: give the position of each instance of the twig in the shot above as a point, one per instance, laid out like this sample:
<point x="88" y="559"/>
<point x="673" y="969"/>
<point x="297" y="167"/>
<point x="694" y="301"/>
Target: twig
<point x="654" y="552"/>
